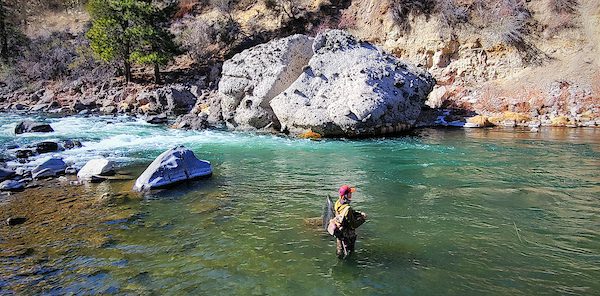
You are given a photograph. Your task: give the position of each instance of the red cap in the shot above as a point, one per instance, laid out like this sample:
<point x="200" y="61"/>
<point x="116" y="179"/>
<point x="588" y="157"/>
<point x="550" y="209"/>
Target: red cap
<point x="345" y="189"/>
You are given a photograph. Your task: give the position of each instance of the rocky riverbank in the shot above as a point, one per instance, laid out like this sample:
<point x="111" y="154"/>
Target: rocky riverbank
<point x="334" y="85"/>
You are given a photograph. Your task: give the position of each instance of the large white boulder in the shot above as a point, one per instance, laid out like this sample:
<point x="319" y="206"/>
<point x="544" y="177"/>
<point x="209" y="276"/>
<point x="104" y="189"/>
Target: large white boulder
<point x="255" y="76"/>
<point x="352" y="88"/>
<point x="95" y="168"/>
<point x="172" y="166"/>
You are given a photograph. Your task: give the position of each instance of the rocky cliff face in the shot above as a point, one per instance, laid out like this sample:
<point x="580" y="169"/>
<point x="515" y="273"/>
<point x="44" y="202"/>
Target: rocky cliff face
<point x="553" y="72"/>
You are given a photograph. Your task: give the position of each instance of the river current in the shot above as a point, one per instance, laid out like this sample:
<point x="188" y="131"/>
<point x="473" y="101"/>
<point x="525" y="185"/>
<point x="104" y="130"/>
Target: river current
<point x="451" y="212"/>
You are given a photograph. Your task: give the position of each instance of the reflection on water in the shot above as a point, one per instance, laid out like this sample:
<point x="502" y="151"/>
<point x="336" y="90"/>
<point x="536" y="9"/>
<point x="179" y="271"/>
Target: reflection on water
<point x="451" y="212"/>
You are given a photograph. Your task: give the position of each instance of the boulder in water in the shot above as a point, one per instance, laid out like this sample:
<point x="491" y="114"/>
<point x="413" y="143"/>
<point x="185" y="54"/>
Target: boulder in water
<point x="95" y="168"/>
<point x="157" y="119"/>
<point x="24" y="153"/>
<point x="70" y="144"/>
<point x="46" y="146"/>
<point x="255" y="76"/>
<point x="49" y="168"/>
<point x="28" y="126"/>
<point x="11" y="185"/>
<point x="172" y="166"/>
<point x="352" y="88"/>
<point x="6" y="173"/>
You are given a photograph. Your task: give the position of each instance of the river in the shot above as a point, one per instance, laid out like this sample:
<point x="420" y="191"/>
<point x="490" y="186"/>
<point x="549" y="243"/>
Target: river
<point x="451" y="212"/>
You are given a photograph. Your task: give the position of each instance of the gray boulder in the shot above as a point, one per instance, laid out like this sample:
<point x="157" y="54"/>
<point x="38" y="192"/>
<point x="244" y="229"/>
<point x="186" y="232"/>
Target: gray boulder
<point x="352" y="88"/>
<point x="174" y="99"/>
<point x="46" y="146"/>
<point x="157" y="119"/>
<point x="193" y="121"/>
<point x="28" y="126"/>
<point x="6" y="173"/>
<point x="172" y="166"/>
<point x="49" y="168"/>
<point x="96" y="167"/>
<point x="255" y="76"/>
<point x="11" y="185"/>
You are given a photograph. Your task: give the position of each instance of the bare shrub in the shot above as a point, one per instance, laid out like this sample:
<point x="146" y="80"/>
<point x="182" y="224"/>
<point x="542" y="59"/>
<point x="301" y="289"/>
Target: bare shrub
<point x="563" y="6"/>
<point x="451" y="13"/>
<point x="402" y="9"/>
<point x="198" y="40"/>
<point x="203" y="39"/>
<point x="10" y="79"/>
<point x="289" y="8"/>
<point x="85" y="67"/>
<point x="47" y="58"/>
<point x="509" y="22"/>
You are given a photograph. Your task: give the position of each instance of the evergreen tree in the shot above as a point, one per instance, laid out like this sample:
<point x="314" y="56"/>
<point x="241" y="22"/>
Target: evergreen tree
<point x="156" y="46"/>
<point x="128" y="31"/>
<point x="12" y="15"/>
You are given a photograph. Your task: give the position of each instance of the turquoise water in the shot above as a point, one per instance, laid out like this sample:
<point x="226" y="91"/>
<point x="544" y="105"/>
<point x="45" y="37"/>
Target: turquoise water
<point x="451" y="212"/>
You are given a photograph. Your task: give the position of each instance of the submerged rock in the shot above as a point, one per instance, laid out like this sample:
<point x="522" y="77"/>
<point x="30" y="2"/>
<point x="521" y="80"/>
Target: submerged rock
<point x="96" y="167"/>
<point x="28" y="126"/>
<point x="50" y="168"/>
<point x="352" y="88"/>
<point x="255" y="76"/>
<point x="12" y="221"/>
<point x="172" y="166"/>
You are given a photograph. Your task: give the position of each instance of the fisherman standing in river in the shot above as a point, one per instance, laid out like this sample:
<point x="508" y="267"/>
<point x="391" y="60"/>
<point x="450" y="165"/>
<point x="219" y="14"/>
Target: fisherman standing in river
<point x="346" y="221"/>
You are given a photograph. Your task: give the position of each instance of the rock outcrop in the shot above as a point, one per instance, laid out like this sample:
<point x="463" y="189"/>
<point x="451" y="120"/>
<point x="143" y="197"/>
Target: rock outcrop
<point x="172" y="166"/>
<point x="28" y="126"/>
<point x="255" y="76"/>
<point x="95" y="168"/>
<point x="352" y="88"/>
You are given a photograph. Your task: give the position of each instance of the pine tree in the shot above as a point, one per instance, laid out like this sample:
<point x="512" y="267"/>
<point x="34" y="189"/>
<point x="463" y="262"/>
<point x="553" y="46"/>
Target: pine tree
<point x="128" y="31"/>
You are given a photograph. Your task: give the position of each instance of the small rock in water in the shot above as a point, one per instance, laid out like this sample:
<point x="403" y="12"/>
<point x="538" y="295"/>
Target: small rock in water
<point x="157" y="119"/>
<point x="45" y="147"/>
<point x="11" y="185"/>
<point x="71" y="171"/>
<point x="29" y="126"/>
<point x="12" y="221"/>
<point x="6" y="173"/>
<point x="70" y="144"/>
<point x="95" y="168"/>
<point x="23" y="172"/>
<point x="49" y="168"/>
<point x="24" y="154"/>
<point x="44" y="173"/>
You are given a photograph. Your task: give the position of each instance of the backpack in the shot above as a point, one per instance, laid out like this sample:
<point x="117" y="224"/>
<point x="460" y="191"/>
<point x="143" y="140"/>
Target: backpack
<point x="336" y="223"/>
